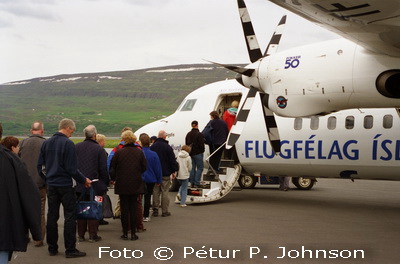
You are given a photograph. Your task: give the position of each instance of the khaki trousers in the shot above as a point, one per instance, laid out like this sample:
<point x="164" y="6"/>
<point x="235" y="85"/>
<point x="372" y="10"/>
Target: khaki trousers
<point x="162" y="191"/>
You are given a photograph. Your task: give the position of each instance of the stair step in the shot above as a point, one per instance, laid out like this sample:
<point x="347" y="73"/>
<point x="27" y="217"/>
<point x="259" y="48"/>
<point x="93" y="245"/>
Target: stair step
<point x="210" y="177"/>
<point x="224" y="163"/>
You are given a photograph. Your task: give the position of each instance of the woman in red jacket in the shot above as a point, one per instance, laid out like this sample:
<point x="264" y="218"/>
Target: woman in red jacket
<point x="230" y="114"/>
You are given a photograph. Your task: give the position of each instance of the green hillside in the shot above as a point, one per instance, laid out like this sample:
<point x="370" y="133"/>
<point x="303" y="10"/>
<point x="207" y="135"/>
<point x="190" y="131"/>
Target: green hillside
<point x="109" y="100"/>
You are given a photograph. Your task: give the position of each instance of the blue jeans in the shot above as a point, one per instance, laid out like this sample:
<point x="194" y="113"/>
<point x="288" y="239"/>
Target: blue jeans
<point x="183" y="190"/>
<point x="4" y="257"/>
<point x="197" y="169"/>
<point x="55" y="197"/>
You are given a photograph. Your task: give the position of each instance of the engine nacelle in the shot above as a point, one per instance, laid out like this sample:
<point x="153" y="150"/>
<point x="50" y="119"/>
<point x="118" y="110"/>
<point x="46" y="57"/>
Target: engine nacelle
<point x="388" y="83"/>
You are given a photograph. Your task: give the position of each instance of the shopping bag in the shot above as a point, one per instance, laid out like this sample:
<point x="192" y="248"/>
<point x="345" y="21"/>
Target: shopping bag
<point x="107" y="207"/>
<point x="92" y="209"/>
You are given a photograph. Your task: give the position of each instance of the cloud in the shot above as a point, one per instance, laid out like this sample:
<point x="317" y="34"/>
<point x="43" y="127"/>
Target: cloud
<point x="38" y="9"/>
<point x="50" y="37"/>
<point x="153" y="3"/>
<point x="4" y="23"/>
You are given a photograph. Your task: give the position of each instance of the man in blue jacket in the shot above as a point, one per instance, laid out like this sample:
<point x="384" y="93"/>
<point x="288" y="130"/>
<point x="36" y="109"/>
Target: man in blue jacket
<point x="58" y="165"/>
<point x="152" y="176"/>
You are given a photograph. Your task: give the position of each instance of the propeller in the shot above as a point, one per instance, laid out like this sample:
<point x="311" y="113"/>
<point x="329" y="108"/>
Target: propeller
<point x="240" y="70"/>
<point x="250" y="70"/>
<point x="269" y="120"/>
<point x="251" y="40"/>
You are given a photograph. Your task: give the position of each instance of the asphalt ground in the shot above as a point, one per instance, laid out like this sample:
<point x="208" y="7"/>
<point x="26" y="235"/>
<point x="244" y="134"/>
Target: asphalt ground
<point x="340" y="220"/>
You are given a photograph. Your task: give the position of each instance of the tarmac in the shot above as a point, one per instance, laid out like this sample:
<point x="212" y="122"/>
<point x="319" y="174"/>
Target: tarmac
<point x="338" y="221"/>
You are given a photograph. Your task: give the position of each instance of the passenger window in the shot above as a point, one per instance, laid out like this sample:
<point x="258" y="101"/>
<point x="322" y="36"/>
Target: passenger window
<point x="349" y="122"/>
<point x="368" y="122"/>
<point x="189" y="104"/>
<point x="298" y="123"/>
<point x="388" y="121"/>
<point x="314" y="124"/>
<point x="332" y="123"/>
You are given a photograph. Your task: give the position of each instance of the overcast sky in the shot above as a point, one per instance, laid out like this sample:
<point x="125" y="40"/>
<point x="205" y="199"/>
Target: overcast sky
<point x="40" y="38"/>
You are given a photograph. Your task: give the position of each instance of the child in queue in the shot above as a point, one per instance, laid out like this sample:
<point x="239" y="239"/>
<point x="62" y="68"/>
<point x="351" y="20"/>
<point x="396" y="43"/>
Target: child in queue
<point x="185" y="166"/>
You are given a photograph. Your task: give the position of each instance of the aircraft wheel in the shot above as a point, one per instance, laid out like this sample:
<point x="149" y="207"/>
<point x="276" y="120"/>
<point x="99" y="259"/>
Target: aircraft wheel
<point x="247" y="181"/>
<point x="303" y="183"/>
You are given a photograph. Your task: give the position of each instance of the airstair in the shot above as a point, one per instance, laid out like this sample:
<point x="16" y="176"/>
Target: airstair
<point x="214" y="186"/>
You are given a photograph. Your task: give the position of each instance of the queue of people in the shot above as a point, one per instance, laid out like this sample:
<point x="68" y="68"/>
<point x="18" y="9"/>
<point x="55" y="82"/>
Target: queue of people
<point x="61" y="172"/>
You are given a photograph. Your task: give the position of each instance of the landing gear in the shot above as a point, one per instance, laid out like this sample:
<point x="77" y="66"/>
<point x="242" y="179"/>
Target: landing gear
<point x="303" y="183"/>
<point x="247" y="181"/>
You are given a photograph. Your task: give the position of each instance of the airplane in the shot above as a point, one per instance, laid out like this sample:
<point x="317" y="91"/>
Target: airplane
<point x="348" y="144"/>
<point x="362" y="70"/>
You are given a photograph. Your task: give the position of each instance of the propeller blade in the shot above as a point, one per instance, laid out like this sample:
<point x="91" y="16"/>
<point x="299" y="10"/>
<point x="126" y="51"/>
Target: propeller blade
<point x="269" y="120"/>
<point x="270" y="123"/>
<point x="251" y="40"/>
<point x="276" y="37"/>
<point x="237" y="69"/>
<point x="241" y="118"/>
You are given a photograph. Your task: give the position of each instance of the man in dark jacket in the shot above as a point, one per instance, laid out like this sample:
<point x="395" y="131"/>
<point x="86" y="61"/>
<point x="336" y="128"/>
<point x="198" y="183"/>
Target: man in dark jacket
<point x="19" y="203"/>
<point x="219" y="135"/>
<point x="29" y="150"/>
<point x="58" y="164"/>
<point x="92" y="162"/>
<point x="195" y="140"/>
<point x="169" y="166"/>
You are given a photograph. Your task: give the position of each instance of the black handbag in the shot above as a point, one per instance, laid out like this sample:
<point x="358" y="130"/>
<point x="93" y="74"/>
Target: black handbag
<point x="107" y="207"/>
<point x="92" y="209"/>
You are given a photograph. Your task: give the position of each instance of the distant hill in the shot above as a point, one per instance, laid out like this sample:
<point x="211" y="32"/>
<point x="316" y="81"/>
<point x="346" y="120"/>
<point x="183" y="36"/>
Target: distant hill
<point x="109" y="100"/>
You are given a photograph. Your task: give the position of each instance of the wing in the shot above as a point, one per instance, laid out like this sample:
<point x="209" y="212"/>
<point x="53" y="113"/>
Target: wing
<point x="373" y="24"/>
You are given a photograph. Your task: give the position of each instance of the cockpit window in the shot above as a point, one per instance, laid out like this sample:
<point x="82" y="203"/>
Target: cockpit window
<point x="189" y="104"/>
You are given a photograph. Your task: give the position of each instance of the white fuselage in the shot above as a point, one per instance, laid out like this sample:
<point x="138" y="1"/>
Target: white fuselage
<point x="335" y="146"/>
<point x="334" y="152"/>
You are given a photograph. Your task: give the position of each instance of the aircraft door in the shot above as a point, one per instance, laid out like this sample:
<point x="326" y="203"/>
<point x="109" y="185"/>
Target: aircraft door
<point x="225" y="102"/>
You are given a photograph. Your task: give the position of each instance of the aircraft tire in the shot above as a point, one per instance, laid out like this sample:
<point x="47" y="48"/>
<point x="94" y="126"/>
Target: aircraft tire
<point x="247" y="181"/>
<point x="303" y="183"/>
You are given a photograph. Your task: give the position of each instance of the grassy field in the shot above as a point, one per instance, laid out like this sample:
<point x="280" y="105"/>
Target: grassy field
<point x="110" y="100"/>
<point x="110" y="143"/>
